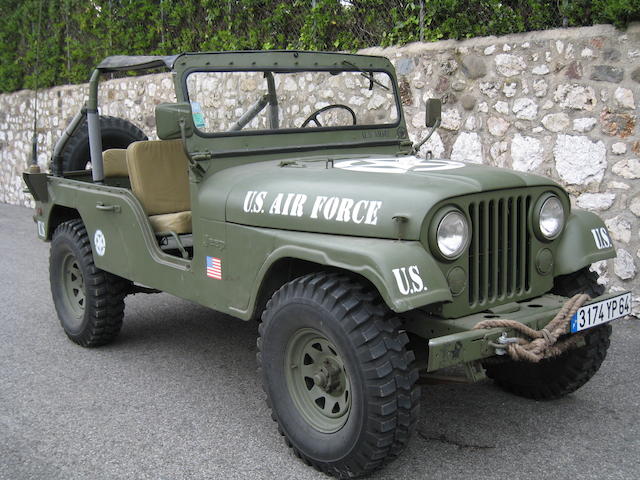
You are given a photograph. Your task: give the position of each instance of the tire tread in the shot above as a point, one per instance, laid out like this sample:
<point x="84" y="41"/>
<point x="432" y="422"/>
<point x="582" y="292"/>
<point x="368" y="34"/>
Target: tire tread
<point x="104" y="294"/>
<point x="571" y="370"/>
<point x="389" y="369"/>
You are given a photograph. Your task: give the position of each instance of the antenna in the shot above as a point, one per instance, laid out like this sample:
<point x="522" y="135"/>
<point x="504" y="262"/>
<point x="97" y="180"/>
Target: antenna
<point x="33" y="166"/>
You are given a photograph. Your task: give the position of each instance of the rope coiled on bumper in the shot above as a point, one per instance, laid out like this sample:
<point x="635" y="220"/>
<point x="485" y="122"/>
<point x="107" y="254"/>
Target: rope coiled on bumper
<point x="544" y="343"/>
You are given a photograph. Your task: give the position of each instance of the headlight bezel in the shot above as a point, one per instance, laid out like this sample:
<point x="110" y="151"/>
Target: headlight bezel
<point x="537" y="216"/>
<point x="435" y="227"/>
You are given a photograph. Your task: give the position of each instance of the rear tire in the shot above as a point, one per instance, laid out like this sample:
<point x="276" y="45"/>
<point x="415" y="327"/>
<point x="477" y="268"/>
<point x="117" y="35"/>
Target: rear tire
<point x="339" y="379"/>
<point x="89" y="301"/>
<point x="116" y="133"/>
<point x="559" y="376"/>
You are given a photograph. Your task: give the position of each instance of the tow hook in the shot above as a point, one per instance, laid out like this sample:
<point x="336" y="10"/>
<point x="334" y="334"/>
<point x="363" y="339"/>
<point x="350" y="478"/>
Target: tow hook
<point x="503" y="341"/>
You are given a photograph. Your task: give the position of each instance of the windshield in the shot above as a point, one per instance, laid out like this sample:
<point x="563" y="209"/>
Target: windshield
<point x="257" y="100"/>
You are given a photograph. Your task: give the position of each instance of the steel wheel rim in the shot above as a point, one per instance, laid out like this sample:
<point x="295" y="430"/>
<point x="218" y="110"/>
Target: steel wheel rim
<point x="317" y="380"/>
<point x="73" y="290"/>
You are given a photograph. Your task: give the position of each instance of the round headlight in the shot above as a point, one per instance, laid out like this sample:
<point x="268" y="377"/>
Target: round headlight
<point x="551" y="217"/>
<point x="452" y="234"/>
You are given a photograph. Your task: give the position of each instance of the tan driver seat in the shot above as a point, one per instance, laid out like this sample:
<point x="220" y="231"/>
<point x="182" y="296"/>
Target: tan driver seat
<point x="114" y="163"/>
<point x="159" y="175"/>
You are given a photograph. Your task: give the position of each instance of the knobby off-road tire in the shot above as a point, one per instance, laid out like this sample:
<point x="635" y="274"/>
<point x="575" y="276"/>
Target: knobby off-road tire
<point x="556" y="377"/>
<point x="339" y="379"/>
<point x="116" y="133"/>
<point x="582" y="281"/>
<point x="89" y="301"/>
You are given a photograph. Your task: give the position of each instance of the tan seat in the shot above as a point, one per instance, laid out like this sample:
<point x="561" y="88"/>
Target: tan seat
<point x="114" y="163"/>
<point x="179" y="222"/>
<point x="159" y="175"/>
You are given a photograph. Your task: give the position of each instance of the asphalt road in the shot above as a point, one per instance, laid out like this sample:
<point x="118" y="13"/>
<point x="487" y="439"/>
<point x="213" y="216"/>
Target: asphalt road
<point x="177" y="396"/>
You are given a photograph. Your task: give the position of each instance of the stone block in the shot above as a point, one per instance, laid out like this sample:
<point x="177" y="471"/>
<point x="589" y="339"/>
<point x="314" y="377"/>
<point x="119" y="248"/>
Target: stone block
<point x="575" y="96"/>
<point x="634" y="206"/>
<point x="579" y="160"/>
<point x="525" y="109"/>
<point x="509" y="65"/>
<point x="619" y="228"/>
<point x="617" y="124"/>
<point x="540" y="70"/>
<point x="490" y="89"/>
<point x="623" y="265"/>
<point x="584" y="124"/>
<point x="624" y="98"/>
<point x="468" y="101"/>
<point x="540" y="87"/>
<point x="619" y="148"/>
<point x="449" y="66"/>
<point x="404" y="66"/>
<point x="607" y="73"/>
<point x="497" y="126"/>
<point x="611" y="55"/>
<point x="474" y="67"/>
<point x="526" y="152"/>
<point x="501" y="107"/>
<point x="451" y="119"/>
<point x="490" y="50"/>
<point x="556" y="122"/>
<point x="596" y="201"/>
<point x="467" y="148"/>
<point x="628" y="168"/>
<point x="574" y="70"/>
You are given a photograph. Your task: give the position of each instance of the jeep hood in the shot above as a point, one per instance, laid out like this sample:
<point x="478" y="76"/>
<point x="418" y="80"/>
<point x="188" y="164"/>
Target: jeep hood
<point x="356" y="195"/>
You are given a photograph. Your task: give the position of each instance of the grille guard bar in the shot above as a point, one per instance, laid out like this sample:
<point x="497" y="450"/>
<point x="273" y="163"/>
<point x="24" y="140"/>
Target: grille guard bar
<point x="457" y="343"/>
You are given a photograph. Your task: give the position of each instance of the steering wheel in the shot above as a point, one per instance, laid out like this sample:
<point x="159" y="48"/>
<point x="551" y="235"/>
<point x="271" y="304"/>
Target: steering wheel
<point x="314" y="115"/>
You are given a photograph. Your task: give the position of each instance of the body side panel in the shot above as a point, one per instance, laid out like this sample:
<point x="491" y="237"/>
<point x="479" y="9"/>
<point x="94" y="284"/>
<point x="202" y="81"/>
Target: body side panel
<point x="585" y="240"/>
<point x="402" y="271"/>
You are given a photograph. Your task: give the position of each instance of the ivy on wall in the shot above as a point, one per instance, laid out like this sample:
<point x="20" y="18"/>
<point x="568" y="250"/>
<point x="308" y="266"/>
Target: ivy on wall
<point x="50" y="42"/>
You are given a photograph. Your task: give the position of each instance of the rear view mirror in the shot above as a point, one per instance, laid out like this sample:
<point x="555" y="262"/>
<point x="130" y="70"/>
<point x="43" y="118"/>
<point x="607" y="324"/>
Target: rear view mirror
<point x="169" y="117"/>
<point x="433" y="112"/>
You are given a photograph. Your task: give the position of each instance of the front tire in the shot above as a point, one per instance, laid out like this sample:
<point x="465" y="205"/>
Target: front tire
<point x="338" y="376"/>
<point x="89" y="301"/>
<point x="556" y="377"/>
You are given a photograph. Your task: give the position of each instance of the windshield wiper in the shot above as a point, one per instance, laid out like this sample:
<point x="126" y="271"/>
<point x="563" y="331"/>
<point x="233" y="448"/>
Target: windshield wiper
<point x="368" y="75"/>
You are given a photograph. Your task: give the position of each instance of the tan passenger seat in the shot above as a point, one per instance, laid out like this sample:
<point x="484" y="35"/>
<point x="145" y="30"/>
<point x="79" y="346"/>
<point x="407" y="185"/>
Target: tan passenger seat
<point x="114" y="163"/>
<point x="159" y="175"/>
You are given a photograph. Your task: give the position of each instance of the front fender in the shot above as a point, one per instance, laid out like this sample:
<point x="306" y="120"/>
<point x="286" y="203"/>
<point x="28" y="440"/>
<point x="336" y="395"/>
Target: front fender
<point x="403" y="272"/>
<point x="585" y="240"/>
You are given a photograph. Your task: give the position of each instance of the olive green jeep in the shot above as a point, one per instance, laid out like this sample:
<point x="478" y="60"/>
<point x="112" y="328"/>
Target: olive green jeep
<point x="284" y="188"/>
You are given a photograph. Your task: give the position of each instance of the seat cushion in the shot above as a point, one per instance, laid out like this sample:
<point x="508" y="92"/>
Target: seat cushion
<point x="179" y="222"/>
<point x="159" y="175"/>
<point x="114" y="163"/>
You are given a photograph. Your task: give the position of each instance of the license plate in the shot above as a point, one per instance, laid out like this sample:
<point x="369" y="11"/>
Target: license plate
<point x="601" y="312"/>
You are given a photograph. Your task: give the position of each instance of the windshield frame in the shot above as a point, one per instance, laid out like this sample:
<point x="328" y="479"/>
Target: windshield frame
<point x="275" y="70"/>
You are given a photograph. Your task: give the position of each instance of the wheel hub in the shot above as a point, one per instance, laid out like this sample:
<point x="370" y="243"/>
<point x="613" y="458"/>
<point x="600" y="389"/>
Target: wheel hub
<point x="328" y="378"/>
<point x="318" y="380"/>
<point x="73" y="287"/>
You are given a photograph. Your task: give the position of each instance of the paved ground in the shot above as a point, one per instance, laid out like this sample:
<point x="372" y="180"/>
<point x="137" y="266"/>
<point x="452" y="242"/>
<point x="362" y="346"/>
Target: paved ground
<point x="177" y="397"/>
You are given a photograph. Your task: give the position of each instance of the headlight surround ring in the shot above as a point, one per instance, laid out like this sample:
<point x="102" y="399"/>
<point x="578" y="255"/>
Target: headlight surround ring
<point x="549" y="217"/>
<point x="450" y="233"/>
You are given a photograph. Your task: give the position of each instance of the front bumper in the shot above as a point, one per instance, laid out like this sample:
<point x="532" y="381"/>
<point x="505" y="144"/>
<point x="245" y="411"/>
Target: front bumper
<point x="454" y="342"/>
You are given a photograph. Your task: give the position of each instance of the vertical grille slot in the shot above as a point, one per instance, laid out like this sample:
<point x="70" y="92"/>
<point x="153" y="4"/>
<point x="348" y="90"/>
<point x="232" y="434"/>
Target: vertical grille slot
<point x="474" y="255"/>
<point x="499" y="252"/>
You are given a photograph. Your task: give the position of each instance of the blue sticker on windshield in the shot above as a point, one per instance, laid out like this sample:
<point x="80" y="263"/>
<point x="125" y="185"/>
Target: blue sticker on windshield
<point x="198" y="116"/>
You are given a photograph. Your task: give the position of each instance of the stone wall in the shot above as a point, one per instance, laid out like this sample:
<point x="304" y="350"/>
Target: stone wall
<point x="562" y="103"/>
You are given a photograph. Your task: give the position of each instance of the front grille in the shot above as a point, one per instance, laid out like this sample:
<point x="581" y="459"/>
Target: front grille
<point x="500" y="249"/>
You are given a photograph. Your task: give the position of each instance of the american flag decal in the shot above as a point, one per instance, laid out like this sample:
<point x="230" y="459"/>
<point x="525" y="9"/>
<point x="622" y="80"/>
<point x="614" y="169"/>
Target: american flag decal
<point x="214" y="268"/>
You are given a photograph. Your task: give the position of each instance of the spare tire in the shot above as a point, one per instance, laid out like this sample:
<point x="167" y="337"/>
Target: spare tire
<point x="116" y="133"/>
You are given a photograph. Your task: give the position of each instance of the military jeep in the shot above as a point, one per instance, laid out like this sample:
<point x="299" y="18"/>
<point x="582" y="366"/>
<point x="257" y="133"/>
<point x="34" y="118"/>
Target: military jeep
<point x="284" y="188"/>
